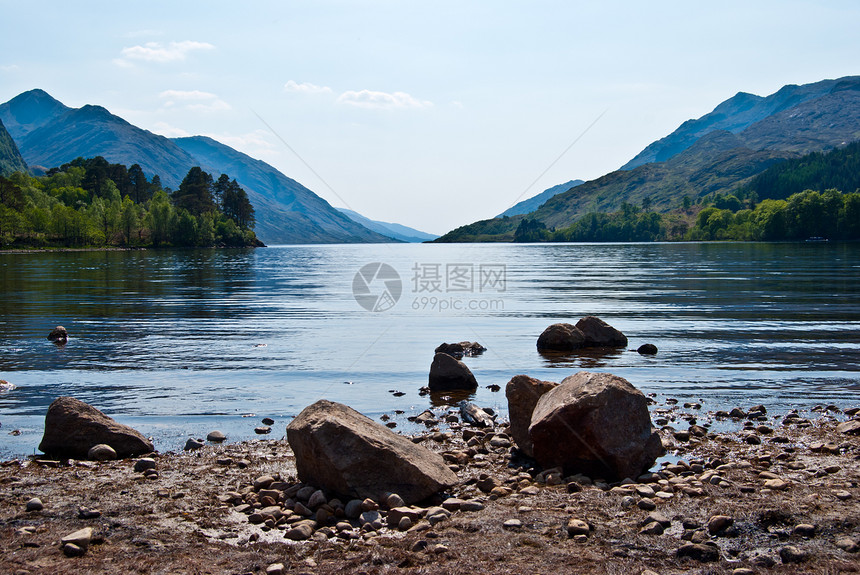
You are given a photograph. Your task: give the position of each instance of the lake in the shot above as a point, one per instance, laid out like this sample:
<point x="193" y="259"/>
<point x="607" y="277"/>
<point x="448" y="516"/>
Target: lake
<point x="177" y="343"/>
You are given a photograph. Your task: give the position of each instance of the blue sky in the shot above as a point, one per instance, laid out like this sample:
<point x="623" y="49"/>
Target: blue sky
<point x="431" y="114"/>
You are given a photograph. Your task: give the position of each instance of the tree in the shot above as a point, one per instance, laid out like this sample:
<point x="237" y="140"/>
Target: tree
<point x="159" y="217"/>
<point x="195" y="192"/>
<point x="129" y="218"/>
<point x="140" y="187"/>
<point x="236" y="205"/>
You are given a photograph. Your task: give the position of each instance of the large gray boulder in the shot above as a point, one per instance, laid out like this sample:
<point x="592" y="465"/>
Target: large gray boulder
<point x="523" y="393"/>
<point x="73" y="427"/>
<point x="450" y="374"/>
<point x="598" y="333"/>
<point x="343" y="451"/>
<point x="561" y="337"/>
<point x="597" y="424"/>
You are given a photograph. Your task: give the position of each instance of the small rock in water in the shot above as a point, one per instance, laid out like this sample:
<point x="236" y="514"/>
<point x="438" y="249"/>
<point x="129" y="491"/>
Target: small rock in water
<point x="262" y="430"/>
<point x="268" y="421"/>
<point x="193" y="444"/>
<point x="35" y="504"/>
<point x="647" y="349"/>
<point x="101" y="452"/>
<point x="216" y="436"/>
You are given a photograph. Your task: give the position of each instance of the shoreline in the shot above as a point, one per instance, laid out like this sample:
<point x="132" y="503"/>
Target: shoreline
<point x="185" y="517"/>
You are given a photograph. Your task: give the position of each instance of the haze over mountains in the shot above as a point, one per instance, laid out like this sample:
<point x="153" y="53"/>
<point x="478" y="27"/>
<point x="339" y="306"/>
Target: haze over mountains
<point x="49" y="134"/>
<point x="716" y="153"/>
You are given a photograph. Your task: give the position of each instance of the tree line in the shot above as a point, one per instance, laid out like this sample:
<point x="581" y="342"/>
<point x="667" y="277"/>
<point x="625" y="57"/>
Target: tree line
<point x="91" y="202"/>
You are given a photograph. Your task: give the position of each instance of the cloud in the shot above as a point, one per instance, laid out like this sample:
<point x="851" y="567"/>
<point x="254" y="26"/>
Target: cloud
<point x="381" y="100"/>
<point x="157" y="52"/>
<point x="195" y="100"/>
<point x="165" y="129"/>
<point x="294" y="87"/>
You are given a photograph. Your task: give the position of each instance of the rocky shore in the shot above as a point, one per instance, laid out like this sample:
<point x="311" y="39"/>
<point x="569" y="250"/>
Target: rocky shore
<point x="769" y="494"/>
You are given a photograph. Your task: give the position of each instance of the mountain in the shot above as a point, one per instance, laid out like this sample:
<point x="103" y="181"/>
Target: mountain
<point x="736" y="115"/>
<point x="10" y="157"/>
<point x="287" y="212"/>
<point x="30" y="111"/>
<point x="50" y="134"/>
<point x="715" y="154"/>
<point x="396" y="231"/>
<point x="537" y="201"/>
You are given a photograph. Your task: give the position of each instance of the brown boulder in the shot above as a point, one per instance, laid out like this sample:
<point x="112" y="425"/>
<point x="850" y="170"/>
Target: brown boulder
<point x="597" y="424"/>
<point x="598" y="333"/>
<point x="561" y="337"/>
<point x="341" y="450"/>
<point x="458" y="350"/>
<point x="448" y="374"/>
<point x="523" y="393"/>
<point x="73" y="427"/>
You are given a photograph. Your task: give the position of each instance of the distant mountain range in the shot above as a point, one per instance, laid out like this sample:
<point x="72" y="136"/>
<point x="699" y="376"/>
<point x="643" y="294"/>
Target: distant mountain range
<point x="397" y="231"/>
<point x="534" y="202"/>
<point x="49" y="134"/>
<point x="716" y="153"/>
<point x="10" y="157"/>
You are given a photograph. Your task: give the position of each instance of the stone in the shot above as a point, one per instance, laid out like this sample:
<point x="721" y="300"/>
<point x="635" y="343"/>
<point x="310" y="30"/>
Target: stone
<point x="512" y="524"/>
<point x="847" y="544"/>
<point x="804" y="530"/>
<point x="87" y="513"/>
<point x="101" y="452"/>
<point x="73" y="427"/>
<point x="646" y="505"/>
<point x="263" y="430"/>
<point x="267" y="421"/>
<point x="598" y="333"/>
<point x="58" y="335"/>
<point x="777" y="484"/>
<point x="193" y="444"/>
<point x="352" y="509"/>
<point x="597" y="424"/>
<point x="276" y="569"/>
<point x="216" y="437"/>
<point x="471" y="505"/>
<point x="72" y="550"/>
<point x="523" y="393"/>
<point x="263" y="482"/>
<point x="462" y="348"/>
<point x="393" y="500"/>
<point x="34" y="504"/>
<point x="143" y="464"/>
<point x="700" y="552"/>
<point x="300" y="531"/>
<point x="560" y="337"/>
<point x="850" y="427"/>
<point x="396" y="514"/>
<point x="316" y="499"/>
<point x="577" y="527"/>
<point x="719" y="523"/>
<point x="474" y="415"/>
<point x="647" y="349"/>
<point x="743" y="571"/>
<point x="652" y="528"/>
<point x="791" y="554"/>
<point x="338" y="449"/>
<point x="450" y="374"/>
<point x="81" y="538"/>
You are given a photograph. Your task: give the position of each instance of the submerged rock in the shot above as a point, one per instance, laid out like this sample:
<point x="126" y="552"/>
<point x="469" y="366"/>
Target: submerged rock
<point x="598" y="333"/>
<point x="449" y="374"/>
<point x="561" y="337"/>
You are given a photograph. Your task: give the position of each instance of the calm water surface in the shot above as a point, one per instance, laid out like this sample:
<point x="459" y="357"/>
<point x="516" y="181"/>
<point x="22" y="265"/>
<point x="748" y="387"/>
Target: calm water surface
<point x="177" y="343"/>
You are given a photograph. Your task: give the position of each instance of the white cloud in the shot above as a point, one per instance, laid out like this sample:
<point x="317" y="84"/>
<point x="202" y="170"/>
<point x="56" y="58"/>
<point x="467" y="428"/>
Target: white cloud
<point x="195" y="100"/>
<point x="9" y="68"/>
<point x="157" y="52"/>
<point x="305" y="88"/>
<point x="165" y="129"/>
<point x="381" y="100"/>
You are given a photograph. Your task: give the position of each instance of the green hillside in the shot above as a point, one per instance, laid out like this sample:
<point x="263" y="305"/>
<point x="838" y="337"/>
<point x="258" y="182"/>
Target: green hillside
<point x="10" y="157"/>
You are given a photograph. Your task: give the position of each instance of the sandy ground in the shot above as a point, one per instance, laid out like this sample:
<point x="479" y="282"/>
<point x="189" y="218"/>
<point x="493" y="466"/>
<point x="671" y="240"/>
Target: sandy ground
<point x="183" y="519"/>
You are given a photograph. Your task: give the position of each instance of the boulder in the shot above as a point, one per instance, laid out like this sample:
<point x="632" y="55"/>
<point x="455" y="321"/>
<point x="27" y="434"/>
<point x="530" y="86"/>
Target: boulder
<point x="458" y="350"/>
<point x="598" y="333"/>
<point x="73" y="427"/>
<point x="58" y="335"/>
<point x="596" y="424"/>
<point x="449" y="374"/>
<point x="101" y="452"/>
<point x="342" y="451"/>
<point x="523" y="393"/>
<point x="647" y="349"/>
<point x="561" y="337"/>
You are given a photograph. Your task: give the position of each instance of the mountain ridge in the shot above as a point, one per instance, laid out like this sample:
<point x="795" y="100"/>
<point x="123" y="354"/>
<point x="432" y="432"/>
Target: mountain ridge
<point x="393" y="230"/>
<point x="10" y="158"/>
<point x="536" y="201"/>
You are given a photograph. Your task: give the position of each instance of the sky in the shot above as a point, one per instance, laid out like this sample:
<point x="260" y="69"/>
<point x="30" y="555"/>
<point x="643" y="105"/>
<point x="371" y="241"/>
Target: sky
<point x="430" y="114"/>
